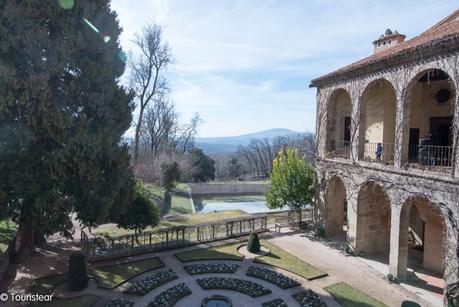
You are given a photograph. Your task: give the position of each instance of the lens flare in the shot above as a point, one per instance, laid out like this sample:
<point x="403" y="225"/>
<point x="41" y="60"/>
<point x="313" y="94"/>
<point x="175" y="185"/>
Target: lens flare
<point x="66" y="4"/>
<point x="107" y="39"/>
<point x="93" y="27"/>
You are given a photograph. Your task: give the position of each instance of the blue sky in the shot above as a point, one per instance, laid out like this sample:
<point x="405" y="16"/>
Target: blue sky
<point x="245" y="66"/>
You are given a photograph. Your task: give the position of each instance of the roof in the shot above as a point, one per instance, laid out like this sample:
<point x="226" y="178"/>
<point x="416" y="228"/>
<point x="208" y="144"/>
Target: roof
<point x="446" y="30"/>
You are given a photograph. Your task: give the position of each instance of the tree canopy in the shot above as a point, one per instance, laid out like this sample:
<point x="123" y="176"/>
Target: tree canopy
<point x="62" y="115"/>
<point x="292" y="182"/>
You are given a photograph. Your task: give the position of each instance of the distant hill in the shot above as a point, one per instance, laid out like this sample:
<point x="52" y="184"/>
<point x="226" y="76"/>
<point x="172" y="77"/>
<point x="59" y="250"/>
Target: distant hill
<point x="229" y="144"/>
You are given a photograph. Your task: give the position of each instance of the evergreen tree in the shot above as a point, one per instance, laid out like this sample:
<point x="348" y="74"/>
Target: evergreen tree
<point x="292" y="182"/>
<point x="203" y="167"/>
<point x="62" y="116"/>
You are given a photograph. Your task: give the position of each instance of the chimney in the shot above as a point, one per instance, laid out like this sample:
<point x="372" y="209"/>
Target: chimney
<point x="388" y="40"/>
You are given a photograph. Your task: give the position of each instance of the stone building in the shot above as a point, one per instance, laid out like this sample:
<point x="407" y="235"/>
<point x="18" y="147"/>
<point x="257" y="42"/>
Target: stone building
<point x="387" y="160"/>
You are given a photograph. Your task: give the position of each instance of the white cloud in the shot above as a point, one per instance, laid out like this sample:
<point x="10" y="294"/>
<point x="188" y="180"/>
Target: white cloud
<point x="235" y="59"/>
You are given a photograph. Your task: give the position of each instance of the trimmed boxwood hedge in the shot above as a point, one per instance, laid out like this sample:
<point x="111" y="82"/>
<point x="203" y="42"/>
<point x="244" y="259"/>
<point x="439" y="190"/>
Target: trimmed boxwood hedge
<point x="243" y="286"/>
<point x="151" y="282"/>
<point x="278" y="279"/>
<point x="308" y="298"/>
<point x="253" y="245"/>
<point x="119" y="302"/>
<point x="208" y="268"/>
<point x="278" y="302"/>
<point x="169" y="297"/>
<point x="78" y="274"/>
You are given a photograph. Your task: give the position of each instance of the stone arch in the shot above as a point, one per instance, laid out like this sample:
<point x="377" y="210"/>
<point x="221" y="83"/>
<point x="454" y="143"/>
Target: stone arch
<point x="422" y="236"/>
<point x="336" y="206"/>
<point x="377" y="121"/>
<point x="425" y="115"/>
<point x="373" y="220"/>
<point x="339" y="110"/>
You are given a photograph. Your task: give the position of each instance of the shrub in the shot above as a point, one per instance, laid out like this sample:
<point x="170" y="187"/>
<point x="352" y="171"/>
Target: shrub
<point x="278" y="279"/>
<point x="308" y="298"/>
<point x="153" y="281"/>
<point x="225" y="283"/>
<point x="77" y="275"/>
<point x="170" y="174"/>
<point x="320" y="232"/>
<point x="253" y="245"/>
<point x="142" y="212"/>
<point x="119" y="302"/>
<point x="207" y="268"/>
<point x="391" y="278"/>
<point x="167" y="201"/>
<point x="349" y="250"/>
<point x="169" y="297"/>
<point x="278" y="302"/>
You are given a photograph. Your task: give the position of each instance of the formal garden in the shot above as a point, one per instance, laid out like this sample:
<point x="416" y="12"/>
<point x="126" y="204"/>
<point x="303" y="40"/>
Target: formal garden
<point x="250" y="270"/>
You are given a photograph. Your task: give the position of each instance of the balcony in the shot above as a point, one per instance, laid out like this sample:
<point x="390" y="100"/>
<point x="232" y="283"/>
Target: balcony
<point x="431" y="157"/>
<point x="340" y="149"/>
<point x="378" y="152"/>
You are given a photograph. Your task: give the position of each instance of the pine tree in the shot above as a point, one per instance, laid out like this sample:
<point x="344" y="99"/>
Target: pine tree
<point x="62" y="116"/>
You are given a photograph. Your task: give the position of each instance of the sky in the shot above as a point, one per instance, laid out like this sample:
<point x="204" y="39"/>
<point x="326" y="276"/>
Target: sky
<point x="245" y="66"/>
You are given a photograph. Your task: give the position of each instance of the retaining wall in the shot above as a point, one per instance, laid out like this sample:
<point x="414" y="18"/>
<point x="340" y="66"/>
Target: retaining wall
<point x="228" y="188"/>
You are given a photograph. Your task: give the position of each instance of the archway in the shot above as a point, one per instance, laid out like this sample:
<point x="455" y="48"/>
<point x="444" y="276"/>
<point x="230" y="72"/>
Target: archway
<point x="373" y="221"/>
<point x="422" y="237"/>
<point x="338" y="138"/>
<point x="336" y="206"/>
<point x="377" y="122"/>
<point x="428" y="137"/>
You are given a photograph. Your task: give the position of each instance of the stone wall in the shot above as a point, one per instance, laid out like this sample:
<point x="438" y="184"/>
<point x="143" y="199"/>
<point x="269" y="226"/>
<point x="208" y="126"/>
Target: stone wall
<point x="402" y="187"/>
<point x="228" y="188"/>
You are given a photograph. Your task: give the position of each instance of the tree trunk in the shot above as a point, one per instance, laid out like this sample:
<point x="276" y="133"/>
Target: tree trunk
<point x="24" y="240"/>
<point x="137" y="134"/>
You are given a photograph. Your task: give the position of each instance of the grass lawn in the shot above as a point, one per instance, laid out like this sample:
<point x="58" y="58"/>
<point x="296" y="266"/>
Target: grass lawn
<point x="111" y="230"/>
<point x="7" y="229"/>
<point x="281" y="259"/>
<point x="155" y="192"/>
<point x="181" y="202"/>
<point x="222" y="252"/>
<point x="113" y="275"/>
<point x="349" y="296"/>
<point x="86" y="300"/>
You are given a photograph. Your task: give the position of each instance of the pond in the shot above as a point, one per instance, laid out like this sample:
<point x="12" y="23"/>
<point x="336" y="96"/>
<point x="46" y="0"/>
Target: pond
<point x="217" y="301"/>
<point x="247" y="203"/>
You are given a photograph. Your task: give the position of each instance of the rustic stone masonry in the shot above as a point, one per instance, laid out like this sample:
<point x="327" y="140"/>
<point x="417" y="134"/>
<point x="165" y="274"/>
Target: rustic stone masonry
<point x="408" y="212"/>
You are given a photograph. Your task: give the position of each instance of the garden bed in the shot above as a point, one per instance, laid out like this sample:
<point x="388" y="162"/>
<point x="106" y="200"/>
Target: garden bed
<point x="278" y="302"/>
<point x="119" y="302"/>
<point x="169" y="297"/>
<point x="207" y="268"/>
<point x="225" y="283"/>
<point x="278" y="279"/>
<point x="308" y="298"/>
<point x="151" y="282"/>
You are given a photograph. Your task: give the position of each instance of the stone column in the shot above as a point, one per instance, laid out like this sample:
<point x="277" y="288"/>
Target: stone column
<point x="355" y="125"/>
<point x="398" y="242"/>
<point x="402" y="129"/>
<point x="352" y="203"/>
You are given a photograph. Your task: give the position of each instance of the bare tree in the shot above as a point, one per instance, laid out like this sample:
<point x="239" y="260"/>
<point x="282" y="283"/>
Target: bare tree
<point x="147" y="73"/>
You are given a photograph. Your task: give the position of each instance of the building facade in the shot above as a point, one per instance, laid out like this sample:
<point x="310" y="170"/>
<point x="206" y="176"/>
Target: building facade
<point x="387" y="159"/>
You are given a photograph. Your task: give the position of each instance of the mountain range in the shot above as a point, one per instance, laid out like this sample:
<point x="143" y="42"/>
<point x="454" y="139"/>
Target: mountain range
<point x="228" y="144"/>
